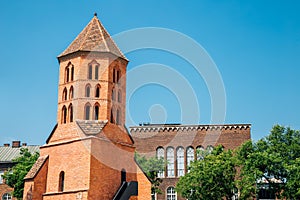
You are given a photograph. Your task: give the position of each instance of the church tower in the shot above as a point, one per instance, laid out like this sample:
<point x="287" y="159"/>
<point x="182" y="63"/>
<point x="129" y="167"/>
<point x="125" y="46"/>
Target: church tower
<point x="89" y="154"/>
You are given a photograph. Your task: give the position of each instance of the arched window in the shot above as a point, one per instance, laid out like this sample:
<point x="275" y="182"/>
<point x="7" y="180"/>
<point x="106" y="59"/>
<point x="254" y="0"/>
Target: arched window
<point x="180" y="161"/>
<point x="190" y="156"/>
<point x="64" y="115"/>
<point x="200" y="152"/>
<point x="87" y="90"/>
<point x="6" y="196"/>
<point x="61" y="184"/>
<point x="171" y="194"/>
<point x="118" y="117"/>
<point x="160" y="154"/>
<point x="67" y="74"/>
<point x="65" y="94"/>
<point x="72" y="73"/>
<point x="71" y="93"/>
<point x="209" y="148"/>
<point x="87" y="110"/>
<point x="90" y="72"/>
<point x="112" y="116"/>
<point x="123" y="176"/>
<point x="70" y="113"/>
<point x="97" y="91"/>
<point x="170" y="161"/>
<point x="119" y="96"/>
<point x="114" y="75"/>
<point x="96" y="72"/>
<point x="96" y="112"/>
<point x="118" y="75"/>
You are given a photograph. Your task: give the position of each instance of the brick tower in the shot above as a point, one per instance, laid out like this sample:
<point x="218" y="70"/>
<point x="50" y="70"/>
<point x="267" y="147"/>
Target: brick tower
<point x="89" y="154"/>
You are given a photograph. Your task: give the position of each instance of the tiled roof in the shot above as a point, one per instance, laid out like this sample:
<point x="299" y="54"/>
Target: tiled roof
<point x="91" y="127"/>
<point x="7" y="154"/>
<point x="176" y="127"/>
<point x="36" y="167"/>
<point x="95" y="38"/>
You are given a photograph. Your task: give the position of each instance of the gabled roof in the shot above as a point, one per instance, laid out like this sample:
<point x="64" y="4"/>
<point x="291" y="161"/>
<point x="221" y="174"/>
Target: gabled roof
<point x="7" y="154"/>
<point x="94" y="38"/>
<point x="36" y="167"/>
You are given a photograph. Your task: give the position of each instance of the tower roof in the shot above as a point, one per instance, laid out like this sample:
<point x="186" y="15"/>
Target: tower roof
<point x="95" y="38"/>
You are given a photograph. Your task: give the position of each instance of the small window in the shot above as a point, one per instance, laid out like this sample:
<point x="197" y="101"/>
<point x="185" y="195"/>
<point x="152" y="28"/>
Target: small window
<point x="96" y="72"/>
<point x="114" y="75"/>
<point x="87" y="111"/>
<point x="88" y="91"/>
<point x="170" y="161"/>
<point x="90" y="73"/>
<point x="61" y="181"/>
<point x="97" y="92"/>
<point x="71" y="93"/>
<point x="171" y="194"/>
<point x="65" y="94"/>
<point x="64" y="115"/>
<point x="118" y="75"/>
<point x="71" y="112"/>
<point x="72" y="73"/>
<point x="123" y="176"/>
<point x="96" y="112"/>
<point x="67" y="74"/>
<point x="119" y="96"/>
<point x="1" y="179"/>
<point x="111" y="116"/>
<point x="200" y="153"/>
<point x="118" y="120"/>
<point x="209" y="148"/>
<point x="6" y="196"/>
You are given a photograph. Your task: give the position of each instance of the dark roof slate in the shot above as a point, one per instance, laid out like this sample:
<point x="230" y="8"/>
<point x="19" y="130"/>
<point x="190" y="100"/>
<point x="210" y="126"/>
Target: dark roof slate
<point x="95" y="38"/>
<point x="36" y="167"/>
<point x="91" y="127"/>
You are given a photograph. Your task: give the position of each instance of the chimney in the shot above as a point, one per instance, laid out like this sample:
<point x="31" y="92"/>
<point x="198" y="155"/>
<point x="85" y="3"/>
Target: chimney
<point x="24" y="144"/>
<point x="6" y="145"/>
<point x="16" y="144"/>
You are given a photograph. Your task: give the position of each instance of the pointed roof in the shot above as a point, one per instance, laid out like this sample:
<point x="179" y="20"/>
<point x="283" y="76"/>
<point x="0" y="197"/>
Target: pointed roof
<point x="94" y="37"/>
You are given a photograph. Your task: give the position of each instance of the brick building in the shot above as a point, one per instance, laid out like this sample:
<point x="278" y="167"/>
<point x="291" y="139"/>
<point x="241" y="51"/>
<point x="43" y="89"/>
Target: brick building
<point x="7" y="154"/>
<point x="179" y="144"/>
<point x="89" y="154"/>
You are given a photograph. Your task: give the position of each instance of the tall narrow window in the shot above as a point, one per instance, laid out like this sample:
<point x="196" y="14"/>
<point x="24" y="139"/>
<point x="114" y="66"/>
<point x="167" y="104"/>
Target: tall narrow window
<point x="96" y="72"/>
<point x="180" y="161"/>
<point x="68" y="74"/>
<point x="171" y="194"/>
<point x="118" y="75"/>
<point x="118" y="120"/>
<point x="97" y="92"/>
<point x="64" y="97"/>
<point x="61" y="185"/>
<point x="114" y="75"/>
<point x="200" y="152"/>
<point x="90" y="72"/>
<point x="170" y="160"/>
<point x="160" y="154"/>
<point x="113" y="94"/>
<point x="96" y="112"/>
<point x="72" y="73"/>
<point x="64" y="115"/>
<point x="190" y="156"/>
<point x="119" y="96"/>
<point x="70" y="113"/>
<point x="123" y="176"/>
<point x="71" y="93"/>
<point x="111" y="116"/>
<point x="87" y="111"/>
<point x="87" y="91"/>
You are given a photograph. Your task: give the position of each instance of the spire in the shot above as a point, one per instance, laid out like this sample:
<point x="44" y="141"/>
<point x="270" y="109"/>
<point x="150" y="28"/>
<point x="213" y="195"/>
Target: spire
<point x="94" y="37"/>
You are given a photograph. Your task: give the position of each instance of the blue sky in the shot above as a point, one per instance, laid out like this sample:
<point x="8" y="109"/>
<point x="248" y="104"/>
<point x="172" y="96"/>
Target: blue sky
<point x="254" y="44"/>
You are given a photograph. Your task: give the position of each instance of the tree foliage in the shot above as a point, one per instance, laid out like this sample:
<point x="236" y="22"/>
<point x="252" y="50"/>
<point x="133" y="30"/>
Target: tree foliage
<point x="151" y="166"/>
<point x="14" y="177"/>
<point x="209" y="178"/>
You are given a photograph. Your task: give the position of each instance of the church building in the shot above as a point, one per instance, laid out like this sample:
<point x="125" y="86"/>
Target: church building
<point x="89" y="154"/>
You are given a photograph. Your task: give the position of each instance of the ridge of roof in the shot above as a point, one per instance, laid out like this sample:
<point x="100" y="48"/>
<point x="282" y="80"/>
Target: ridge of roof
<point x="95" y="38"/>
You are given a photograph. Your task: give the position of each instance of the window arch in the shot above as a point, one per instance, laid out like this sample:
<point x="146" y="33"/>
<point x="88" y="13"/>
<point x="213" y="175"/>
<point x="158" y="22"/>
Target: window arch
<point x="160" y="154"/>
<point x="170" y="161"/>
<point x="71" y="93"/>
<point x="97" y="91"/>
<point x="119" y="96"/>
<point x="190" y="156"/>
<point x="180" y="161"/>
<point x="96" y="72"/>
<point x="171" y="194"/>
<point x="90" y="71"/>
<point x="88" y="90"/>
<point x="6" y="196"/>
<point x="64" y="115"/>
<point x="72" y="73"/>
<point x="70" y="113"/>
<point x="200" y="153"/>
<point x="61" y="185"/>
<point x="65" y="94"/>
<point x="87" y="111"/>
<point x="118" y="117"/>
<point x="96" y="111"/>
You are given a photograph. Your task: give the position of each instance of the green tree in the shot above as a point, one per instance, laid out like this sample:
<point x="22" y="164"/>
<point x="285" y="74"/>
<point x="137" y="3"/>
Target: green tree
<point x="151" y="166"/>
<point x="14" y="177"/>
<point x="210" y="178"/>
<point x="273" y="160"/>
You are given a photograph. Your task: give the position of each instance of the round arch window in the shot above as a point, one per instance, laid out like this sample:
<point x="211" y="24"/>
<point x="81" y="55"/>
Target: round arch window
<point x="6" y="196"/>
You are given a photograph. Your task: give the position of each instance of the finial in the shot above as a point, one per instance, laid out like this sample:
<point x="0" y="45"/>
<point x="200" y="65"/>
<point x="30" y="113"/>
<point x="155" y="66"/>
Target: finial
<point x="95" y="14"/>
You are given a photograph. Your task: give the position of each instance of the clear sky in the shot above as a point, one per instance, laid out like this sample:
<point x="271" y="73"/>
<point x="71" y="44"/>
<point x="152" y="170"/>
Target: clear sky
<point x="254" y="44"/>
